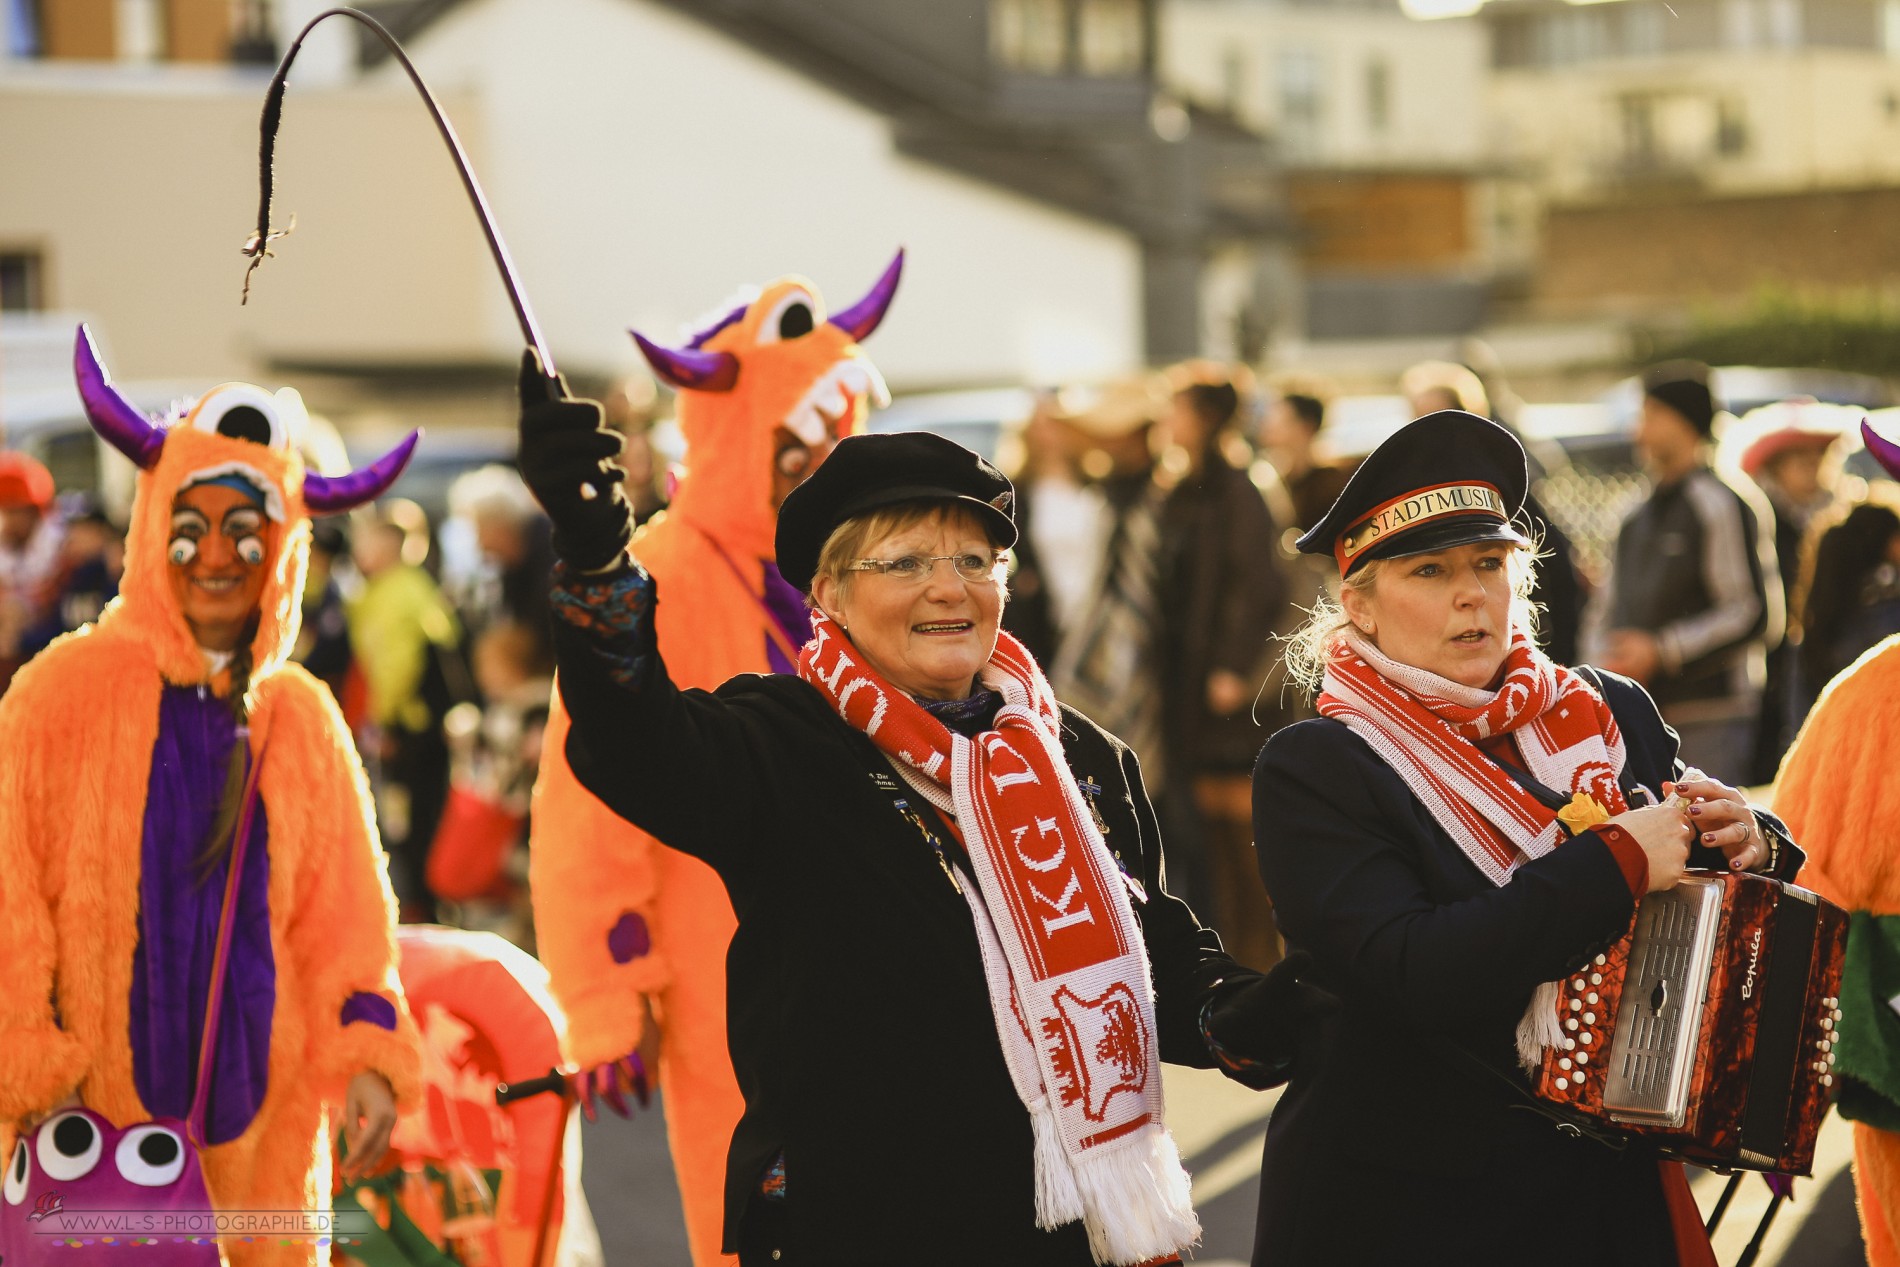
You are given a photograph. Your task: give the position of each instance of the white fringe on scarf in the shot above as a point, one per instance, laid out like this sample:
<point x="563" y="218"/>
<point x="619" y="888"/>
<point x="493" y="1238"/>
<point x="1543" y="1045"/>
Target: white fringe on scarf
<point x="1132" y="1195"/>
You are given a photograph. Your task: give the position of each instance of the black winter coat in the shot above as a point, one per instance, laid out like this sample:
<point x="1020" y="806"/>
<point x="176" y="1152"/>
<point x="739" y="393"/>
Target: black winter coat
<point x="859" y="1022"/>
<point x="1388" y="1146"/>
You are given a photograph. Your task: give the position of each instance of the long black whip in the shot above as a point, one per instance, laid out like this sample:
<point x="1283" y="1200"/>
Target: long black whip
<point x="257" y="246"/>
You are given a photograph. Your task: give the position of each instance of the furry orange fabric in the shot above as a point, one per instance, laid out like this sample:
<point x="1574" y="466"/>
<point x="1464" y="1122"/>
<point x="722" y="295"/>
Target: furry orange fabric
<point x="1836" y="780"/>
<point x="591" y="868"/>
<point x="76" y="736"/>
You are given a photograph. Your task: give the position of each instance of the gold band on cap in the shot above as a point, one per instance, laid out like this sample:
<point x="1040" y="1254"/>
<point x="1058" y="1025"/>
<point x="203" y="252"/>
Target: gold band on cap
<point x="1417" y="507"/>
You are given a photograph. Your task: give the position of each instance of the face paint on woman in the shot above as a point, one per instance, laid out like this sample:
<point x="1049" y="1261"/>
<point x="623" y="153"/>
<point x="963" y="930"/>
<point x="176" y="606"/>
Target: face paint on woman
<point x="220" y="547"/>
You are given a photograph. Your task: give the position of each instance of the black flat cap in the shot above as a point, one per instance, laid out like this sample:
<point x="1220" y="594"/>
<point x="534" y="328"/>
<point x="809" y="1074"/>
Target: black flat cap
<point x="871" y="471"/>
<point x="1450" y="478"/>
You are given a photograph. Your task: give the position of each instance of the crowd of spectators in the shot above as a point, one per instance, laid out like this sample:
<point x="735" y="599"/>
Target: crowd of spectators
<point x="1154" y="574"/>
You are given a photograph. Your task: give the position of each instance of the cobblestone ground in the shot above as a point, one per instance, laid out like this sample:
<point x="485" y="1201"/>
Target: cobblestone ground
<point x="1220" y="1127"/>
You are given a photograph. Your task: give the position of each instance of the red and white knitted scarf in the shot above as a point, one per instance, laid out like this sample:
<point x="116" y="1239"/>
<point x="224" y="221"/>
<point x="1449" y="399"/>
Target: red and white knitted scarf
<point x="1427" y="728"/>
<point x="1063" y="956"/>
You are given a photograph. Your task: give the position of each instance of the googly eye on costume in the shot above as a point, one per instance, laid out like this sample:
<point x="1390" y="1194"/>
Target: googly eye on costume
<point x="251" y="550"/>
<point x="69" y="1146"/>
<point x="18" y="1167"/>
<point x="795" y="314"/>
<point x="243" y="412"/>
<point x="150" y="1156"/>
<point x="183" y="550"/>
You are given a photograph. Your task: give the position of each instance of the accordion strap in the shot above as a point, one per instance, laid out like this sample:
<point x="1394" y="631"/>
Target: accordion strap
<point x="1523" y="1099"/>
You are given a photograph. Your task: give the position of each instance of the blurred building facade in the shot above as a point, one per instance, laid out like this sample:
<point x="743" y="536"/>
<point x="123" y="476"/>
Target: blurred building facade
<point x="1379" y="122"/>
<point x="642" y="157"/>
<point x="1683" y="150"/>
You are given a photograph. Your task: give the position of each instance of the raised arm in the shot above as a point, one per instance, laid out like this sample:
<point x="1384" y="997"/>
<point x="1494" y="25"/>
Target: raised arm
<point x="685" y="766"/>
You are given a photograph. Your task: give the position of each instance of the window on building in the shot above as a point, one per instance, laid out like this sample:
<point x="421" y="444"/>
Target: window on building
<point x="1643" y="30"/>
<point x="1731" y="129"/>
<point x="1302" y="98"/>
<point x="1233" y="76"/>
<point x="1030" y="35"/>
<point x="1639" y="131"/>
<point x="1378" y="94"/>
<point x="1109" y="37"/>
<point x="21" y="274"/>
<point x="22" y="21"/>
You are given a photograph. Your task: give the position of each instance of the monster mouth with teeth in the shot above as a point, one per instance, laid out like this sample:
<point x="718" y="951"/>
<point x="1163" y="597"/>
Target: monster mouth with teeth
<point x="768" y="387"/>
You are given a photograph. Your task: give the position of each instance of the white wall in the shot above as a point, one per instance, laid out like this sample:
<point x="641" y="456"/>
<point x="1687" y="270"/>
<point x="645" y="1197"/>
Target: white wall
<point x="643" y="166"/>
<point x="640" y="166"/>
<point x="140" y="186"/>
<point x="1435" y="71"/>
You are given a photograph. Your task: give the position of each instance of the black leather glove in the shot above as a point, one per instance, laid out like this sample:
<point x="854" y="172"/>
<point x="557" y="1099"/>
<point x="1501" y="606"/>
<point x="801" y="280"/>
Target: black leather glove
<point x="1260" y="1018"/>
<point x="566" y="458"/>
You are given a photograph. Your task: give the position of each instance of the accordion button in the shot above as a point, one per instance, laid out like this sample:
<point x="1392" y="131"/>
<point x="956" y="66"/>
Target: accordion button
<point x="1589" y="1018"/>
<point x="1576" y="1005"/>
<point x="1827" y="1022"/>
<point x="1596" y="978"/>
<point x="1583" y="1057"/>
<point x="1577" y="985"/>
<point x="1601" y="960"/>
<point x="1563" y="1084"/>
<point x="1570" y="1044"/>
<point x="1830" y="1002"/>
<point x="1827" y="1079"/>
<point x="1591" y="998"/>
<point x="1571" y="1024"/>
<point x="1836" y="1014"/>
<point x="1564" y="1063"/>
<point x="1587" y="1038"/>
<point x="1826" y="1044"/>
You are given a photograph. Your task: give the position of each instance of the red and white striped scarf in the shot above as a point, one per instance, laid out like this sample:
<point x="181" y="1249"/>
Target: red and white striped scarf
<point x="1067" y="970"/>
<point x="1427" y="728"/>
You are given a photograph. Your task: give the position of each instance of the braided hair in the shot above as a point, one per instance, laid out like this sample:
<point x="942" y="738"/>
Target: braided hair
<point x="218" y="839"/>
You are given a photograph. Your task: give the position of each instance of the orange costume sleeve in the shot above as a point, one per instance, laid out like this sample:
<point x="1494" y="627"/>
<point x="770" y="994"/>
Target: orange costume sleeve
<point x="1837" y="792"/>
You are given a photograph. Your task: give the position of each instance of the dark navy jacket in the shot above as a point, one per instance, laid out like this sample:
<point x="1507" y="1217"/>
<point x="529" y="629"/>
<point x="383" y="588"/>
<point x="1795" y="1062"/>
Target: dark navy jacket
<point x="1388" y="1146"/>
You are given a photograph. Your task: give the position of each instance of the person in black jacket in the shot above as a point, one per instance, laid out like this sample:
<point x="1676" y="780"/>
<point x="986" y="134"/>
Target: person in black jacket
<point x="1464" y="824"/>
<point x="940" y="1003"/>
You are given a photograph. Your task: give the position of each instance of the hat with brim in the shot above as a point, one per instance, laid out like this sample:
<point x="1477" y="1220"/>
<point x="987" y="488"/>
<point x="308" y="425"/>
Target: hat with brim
<point x="877" y="470"/>
<point x="1449" y="479"/>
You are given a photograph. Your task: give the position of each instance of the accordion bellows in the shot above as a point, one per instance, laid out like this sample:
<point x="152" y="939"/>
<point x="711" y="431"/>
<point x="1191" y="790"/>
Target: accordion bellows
<point x="1709" y="1029"/>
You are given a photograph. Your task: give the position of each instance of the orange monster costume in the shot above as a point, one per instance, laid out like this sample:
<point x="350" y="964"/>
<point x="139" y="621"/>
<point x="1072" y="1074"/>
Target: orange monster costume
<point x="98" y="997"/>
<point x="1839" y="796"/>
<point x="764" y="393"/>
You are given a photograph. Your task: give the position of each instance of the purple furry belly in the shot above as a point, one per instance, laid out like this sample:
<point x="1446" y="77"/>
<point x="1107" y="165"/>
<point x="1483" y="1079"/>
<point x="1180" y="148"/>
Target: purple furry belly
<point x="178" y="929"/>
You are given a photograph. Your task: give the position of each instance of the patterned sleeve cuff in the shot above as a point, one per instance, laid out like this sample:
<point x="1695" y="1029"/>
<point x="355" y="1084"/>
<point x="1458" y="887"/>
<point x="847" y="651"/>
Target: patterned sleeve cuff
<point x="615" y="611"/>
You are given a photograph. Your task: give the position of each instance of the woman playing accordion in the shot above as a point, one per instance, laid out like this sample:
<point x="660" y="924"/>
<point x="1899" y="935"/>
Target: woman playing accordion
<point x="1464" y="825"/>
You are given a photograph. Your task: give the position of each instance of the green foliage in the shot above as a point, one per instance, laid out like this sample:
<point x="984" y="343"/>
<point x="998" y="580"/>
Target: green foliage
<point x="1855" y="331"/>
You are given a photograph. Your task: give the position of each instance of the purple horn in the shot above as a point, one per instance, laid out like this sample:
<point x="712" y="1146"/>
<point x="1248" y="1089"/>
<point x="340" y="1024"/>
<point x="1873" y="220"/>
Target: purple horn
<point x="693" y="370"/>
<point x="112" y="415"/>
<point x="1882" y="448"/>
<point x="863" y="317"/>
<point x="332" y="495"/>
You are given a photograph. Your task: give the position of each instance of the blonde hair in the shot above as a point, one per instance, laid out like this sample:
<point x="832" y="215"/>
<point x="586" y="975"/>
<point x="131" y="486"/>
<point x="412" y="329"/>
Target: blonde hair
<point x="849" y="539"/>
<point x="1307" y="646"/>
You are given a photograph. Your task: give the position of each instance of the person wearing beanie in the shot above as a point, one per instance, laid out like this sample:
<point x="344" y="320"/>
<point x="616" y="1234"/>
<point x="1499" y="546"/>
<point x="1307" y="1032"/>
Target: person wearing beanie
<point x="29" y="554"/>
<point x="1694" y="600"/>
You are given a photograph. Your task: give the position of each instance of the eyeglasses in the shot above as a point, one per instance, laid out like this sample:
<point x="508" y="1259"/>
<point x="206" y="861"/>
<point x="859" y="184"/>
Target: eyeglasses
<point x="916" y="568"/>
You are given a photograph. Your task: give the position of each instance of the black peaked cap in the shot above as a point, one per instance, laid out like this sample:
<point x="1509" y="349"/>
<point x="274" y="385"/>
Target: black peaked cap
<point x="1421" y="490"/>
<point x="877" y="469"/>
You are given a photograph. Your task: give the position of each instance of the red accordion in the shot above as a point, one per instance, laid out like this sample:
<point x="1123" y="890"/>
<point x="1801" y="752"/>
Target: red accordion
<point x="1709" y="1030"/>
